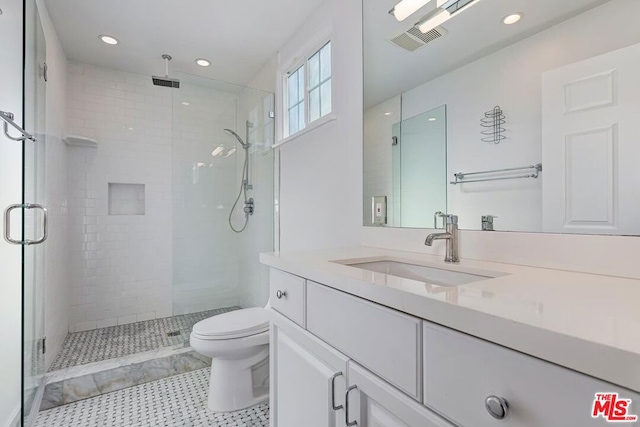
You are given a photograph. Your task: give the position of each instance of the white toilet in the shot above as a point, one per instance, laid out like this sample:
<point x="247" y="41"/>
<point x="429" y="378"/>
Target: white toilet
<point x="238" y="343"/>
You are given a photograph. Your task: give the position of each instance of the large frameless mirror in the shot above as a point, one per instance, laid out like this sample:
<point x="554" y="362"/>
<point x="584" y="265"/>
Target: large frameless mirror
<point x="514" y="115"/>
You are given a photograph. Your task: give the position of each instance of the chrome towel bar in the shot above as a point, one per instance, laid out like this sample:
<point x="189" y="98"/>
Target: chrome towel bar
<point x="461" y="178"/>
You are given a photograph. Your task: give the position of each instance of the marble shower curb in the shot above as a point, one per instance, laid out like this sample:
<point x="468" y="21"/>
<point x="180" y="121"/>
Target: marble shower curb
<point x="82" y="382"/>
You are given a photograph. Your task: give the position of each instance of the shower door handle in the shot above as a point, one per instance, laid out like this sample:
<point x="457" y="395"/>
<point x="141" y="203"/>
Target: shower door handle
<point x="7" y="224"/>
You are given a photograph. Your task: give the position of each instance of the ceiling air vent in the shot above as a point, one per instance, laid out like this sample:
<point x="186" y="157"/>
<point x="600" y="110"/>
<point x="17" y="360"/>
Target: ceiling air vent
<point x="414" y="39"/>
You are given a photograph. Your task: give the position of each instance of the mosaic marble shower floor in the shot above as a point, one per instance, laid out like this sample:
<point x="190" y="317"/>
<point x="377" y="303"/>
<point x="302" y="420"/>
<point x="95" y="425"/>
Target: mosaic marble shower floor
<point x="81" y="348"/>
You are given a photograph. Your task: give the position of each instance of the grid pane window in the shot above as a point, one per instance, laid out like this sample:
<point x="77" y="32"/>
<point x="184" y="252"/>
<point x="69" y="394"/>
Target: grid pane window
<point x="314" y="104"/>
<point x="320" y="83"/>
<point x="325" y="98"/>
<point x="295" y="88"/>
<point x="308" y="88"/>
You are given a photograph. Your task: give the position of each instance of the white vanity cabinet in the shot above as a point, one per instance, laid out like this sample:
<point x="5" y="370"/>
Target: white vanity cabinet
<point x="310" y="383"/>
<point x="340" y="361"/>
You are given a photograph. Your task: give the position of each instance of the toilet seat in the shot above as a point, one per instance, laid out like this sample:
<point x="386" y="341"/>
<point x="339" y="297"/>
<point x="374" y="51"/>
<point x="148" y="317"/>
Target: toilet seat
<point x="235" y="324"/>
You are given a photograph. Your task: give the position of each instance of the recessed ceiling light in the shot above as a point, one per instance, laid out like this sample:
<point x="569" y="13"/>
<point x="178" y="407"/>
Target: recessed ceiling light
<point x="203" y="62"/>
<point x="512" y="19"/>
<point x="185" y="103"/>
<point x="108" y="39"/>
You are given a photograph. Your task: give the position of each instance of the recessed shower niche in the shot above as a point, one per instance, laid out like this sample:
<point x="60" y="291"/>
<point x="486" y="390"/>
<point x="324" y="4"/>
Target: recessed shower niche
<point x="126" y="199"/>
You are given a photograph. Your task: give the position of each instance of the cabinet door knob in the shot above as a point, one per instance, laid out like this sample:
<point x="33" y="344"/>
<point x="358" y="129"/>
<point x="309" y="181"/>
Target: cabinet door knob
<point x="497" y="407"/>
<point x="281" y="294"/>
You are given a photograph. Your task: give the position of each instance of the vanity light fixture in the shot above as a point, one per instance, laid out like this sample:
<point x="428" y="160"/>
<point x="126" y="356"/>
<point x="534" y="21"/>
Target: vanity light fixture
<point x="406" y="8"/>
<point x="433" y="20"/>
<point x="109" y="39"/>
<point x="446" y="9"/>
<point x="203" y="62"/>
<point x="512" y="19"/>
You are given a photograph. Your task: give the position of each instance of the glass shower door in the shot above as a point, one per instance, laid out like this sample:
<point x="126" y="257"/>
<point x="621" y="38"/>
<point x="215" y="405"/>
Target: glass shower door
<point x="34" y="221"/>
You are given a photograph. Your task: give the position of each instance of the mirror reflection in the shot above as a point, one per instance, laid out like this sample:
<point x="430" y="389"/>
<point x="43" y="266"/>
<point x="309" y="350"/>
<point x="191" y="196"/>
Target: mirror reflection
<point x="414" y="181"/>
<point x="535" y="107"/>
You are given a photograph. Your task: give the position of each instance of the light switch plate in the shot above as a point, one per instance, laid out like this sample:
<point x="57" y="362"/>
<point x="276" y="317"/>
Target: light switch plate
<point x="379" y="209"/>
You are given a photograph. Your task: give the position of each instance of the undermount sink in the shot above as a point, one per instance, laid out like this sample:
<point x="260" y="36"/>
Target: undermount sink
<point x="421" y="273"/>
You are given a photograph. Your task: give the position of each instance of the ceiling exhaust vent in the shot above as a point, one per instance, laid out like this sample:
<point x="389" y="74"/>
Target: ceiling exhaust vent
<point x="414" y="39"/>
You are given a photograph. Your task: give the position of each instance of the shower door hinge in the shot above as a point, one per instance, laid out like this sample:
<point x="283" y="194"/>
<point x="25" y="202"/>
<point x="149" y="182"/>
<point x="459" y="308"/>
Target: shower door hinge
<point x="45" y="72"/>
<point x="272" y="114"/>
<point x="44" y="345"/>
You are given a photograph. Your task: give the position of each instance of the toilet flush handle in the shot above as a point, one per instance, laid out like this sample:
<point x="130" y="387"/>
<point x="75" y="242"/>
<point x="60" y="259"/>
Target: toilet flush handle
<point x="280" y="294"/>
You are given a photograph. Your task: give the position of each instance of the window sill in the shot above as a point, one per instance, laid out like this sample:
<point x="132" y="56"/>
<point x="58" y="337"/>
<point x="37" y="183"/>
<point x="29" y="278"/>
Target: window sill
<point x="313" y="126"/>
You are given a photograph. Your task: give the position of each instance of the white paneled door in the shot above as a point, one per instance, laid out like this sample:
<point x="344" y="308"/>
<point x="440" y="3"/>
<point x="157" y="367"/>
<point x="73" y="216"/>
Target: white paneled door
<point x="591" y="145"/>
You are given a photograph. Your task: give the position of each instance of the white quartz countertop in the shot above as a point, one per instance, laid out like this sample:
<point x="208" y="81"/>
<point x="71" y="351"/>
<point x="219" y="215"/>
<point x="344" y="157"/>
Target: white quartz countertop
<point x="585" y="322"/>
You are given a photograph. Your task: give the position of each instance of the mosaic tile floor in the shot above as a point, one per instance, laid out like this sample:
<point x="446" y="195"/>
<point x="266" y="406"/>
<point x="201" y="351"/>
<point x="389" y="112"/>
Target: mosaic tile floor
<point x="179" y="401"/>
<point x="97" y="345"/>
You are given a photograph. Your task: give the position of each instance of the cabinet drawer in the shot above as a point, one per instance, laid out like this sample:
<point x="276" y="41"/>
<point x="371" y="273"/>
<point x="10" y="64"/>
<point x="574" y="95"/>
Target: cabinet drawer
<point x="287" y="294"/>
<point x="461" y="372"/>
<point x="384" y="341"/>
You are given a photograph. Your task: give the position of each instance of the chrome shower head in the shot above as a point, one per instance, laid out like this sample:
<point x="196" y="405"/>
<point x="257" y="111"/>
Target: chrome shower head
<point x="166" y="81"/>
<point x="240" y="140"/>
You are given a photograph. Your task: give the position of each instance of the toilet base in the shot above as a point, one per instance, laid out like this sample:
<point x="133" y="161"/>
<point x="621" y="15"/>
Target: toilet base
<point x="239" y="384"/>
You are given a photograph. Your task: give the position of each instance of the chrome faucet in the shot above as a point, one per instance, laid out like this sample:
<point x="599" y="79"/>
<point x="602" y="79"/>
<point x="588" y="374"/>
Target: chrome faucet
<point x="451" y="236"/>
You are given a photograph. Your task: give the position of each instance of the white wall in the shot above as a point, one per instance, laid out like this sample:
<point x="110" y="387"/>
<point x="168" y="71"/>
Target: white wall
<point x="10" y="192"/>
<point x="120" y="265"/>
<point x="512" y="78"/>
<point x="321" y="171"/>
<point x="56" y="274"/>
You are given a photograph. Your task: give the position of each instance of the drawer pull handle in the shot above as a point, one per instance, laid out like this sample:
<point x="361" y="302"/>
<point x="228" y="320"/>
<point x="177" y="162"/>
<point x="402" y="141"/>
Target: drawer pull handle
<point x="497" y="407"/>
<point x="281" y="294"/>
<point x="333" y="392"/>
<point x="346" y="407"/>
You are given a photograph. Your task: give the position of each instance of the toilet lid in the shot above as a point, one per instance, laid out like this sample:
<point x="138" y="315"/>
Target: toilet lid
<point x="235" y="324"/>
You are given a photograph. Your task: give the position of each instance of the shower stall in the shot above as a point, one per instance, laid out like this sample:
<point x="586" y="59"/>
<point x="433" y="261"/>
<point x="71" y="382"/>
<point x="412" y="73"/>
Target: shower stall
<point x="144" y="238"/>
<point x="151" y="202"/>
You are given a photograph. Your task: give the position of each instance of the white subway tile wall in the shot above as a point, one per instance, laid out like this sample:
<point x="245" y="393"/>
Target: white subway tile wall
<point x="180" y="256"/>
<point x="120" y="265"/>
